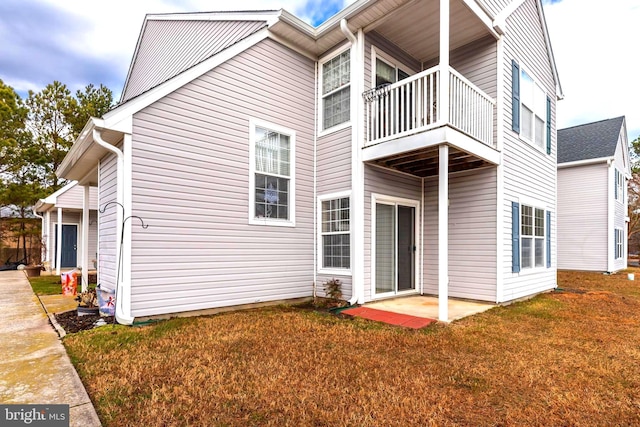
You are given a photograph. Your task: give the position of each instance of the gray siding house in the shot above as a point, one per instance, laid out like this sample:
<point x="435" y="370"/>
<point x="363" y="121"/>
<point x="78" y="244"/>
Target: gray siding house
<point x="593" y="171"/>
<point x="70" y="212"/>
<point x="403" y="146"/>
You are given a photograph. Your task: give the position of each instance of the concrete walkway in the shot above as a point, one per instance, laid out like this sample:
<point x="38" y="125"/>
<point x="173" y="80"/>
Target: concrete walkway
<point x="34" y="366"/>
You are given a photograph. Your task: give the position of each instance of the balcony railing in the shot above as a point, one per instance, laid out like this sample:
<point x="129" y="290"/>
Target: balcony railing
<point x="411" y="106"/>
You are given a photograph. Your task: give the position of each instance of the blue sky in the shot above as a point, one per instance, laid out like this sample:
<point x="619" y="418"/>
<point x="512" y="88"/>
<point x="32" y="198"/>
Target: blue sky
<point x="91" y="41"/>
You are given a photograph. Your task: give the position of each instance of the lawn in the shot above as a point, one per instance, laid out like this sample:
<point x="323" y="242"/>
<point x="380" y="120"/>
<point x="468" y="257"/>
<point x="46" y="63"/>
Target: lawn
<point x="46" y="285"/>
<point x="50" y="285"/>
<point x="562" y="358"/>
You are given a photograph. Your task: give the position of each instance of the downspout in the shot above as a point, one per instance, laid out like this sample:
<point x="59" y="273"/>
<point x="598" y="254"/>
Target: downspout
<point x="354" y="277"/>
<point x="97" y="137"/>
<point x="315" y="186"/>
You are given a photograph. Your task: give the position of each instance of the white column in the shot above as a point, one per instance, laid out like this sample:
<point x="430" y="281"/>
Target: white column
<point x="47" y="252"/>
<point x="443" y="102"/>
<point x="85" y="239"/>
<point x="443" y="233"/>
<point x="59" y="242"/>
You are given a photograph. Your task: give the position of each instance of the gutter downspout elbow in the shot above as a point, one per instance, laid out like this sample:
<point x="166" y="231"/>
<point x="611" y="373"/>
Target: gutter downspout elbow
<point x="347" y="32"/>
<point x="121" y="317"/>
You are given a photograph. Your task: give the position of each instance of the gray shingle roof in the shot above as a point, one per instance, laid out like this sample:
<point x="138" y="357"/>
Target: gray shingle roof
<point x="589" y="141"/>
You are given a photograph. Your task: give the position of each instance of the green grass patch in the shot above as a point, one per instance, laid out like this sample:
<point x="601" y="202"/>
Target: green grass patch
<point x="46" y="285"/>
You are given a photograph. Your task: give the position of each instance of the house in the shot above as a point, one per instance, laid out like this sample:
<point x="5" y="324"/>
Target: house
<point x="70" y="212"/>
<point x="403" y="147"/>
<point x="593" y="170"/>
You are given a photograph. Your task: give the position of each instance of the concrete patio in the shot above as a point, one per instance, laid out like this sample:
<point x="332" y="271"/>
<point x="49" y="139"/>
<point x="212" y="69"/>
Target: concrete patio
<point x="427" y="307"/>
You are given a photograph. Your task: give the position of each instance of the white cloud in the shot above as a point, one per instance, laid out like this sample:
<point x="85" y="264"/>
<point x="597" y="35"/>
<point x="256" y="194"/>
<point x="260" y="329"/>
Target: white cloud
<point x="595" y="46"/>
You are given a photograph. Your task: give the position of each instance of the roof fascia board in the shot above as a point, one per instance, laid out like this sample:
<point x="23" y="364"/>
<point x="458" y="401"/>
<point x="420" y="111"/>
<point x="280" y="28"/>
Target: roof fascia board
<point x="113" y="118"/>
<point x="625" y="147"/>
<point x="80" y="145"/>
<point x="585" y="162"/>
<point x="482" y="15"/>
<point x="552" y="59"/>
<point x="270" y="17"/>
<point x="329" y="24"/>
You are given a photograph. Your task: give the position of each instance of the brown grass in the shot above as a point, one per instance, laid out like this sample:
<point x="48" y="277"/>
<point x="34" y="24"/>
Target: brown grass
<point x="563" y="358"/>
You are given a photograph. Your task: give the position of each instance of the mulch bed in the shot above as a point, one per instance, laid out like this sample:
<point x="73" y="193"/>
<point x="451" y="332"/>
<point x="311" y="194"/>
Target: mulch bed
<point x="72" y="323"/>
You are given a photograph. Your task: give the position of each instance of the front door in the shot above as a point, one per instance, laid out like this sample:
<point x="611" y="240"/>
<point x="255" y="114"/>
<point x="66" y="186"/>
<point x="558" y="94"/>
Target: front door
<point x="69" y="252"/>
<point x="395" y="248"/>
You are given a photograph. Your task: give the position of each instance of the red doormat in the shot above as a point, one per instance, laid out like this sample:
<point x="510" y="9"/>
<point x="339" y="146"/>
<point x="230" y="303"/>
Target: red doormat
<point x="388" y="317"/>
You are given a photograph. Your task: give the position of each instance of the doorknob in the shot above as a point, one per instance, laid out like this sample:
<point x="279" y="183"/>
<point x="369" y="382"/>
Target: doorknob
<point x="75" y="247"/>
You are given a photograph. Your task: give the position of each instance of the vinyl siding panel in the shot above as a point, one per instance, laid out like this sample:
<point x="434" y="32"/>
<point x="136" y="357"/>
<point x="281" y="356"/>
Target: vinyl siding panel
<point x="472" y="235"/>
<point x="620" y="207"/>
<point x="582" y="217"/>
<point x="388" y="183"/>
<point x="528" y="171"/>
<point x="107" y="222"/>
<point x="73" y="197"/>
<point x="334" y="162"/>
<point x="168" y="48"/>
<point x="191" y="185"/>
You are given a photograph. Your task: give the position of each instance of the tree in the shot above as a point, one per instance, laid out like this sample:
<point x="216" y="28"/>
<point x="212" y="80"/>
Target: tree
<point x="56" y="118"/>
<point x="633" y="209"/>
<point x="13" y="131"/>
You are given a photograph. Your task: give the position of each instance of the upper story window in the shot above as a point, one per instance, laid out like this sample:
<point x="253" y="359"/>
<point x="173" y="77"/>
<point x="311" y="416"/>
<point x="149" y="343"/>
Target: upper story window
<point x="619" y="185"/>
<point x="531" y="109"/>
<point x="271" y="193"/>
<point x="336" y="90"/>
<point x="387" y="73"/>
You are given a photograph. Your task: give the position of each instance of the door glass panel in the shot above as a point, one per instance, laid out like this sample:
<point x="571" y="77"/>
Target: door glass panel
<point x="385" y="248"/>
<point x="406" y="248"/>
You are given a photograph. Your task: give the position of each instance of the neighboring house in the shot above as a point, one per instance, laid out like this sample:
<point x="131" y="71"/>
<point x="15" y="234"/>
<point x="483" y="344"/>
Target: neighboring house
<point x="593" y="169"/>
<point x="404" y="147"/>
<point x="63" y="214"/>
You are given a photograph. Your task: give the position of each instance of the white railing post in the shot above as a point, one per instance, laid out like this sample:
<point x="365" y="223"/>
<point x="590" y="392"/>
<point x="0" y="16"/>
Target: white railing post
<point x="443" y="105"/>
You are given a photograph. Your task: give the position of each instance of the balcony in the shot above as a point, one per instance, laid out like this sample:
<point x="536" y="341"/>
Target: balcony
<point x="410" y="106"/>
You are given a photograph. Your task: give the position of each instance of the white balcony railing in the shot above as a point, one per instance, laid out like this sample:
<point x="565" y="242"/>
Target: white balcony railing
<point x="411" y="106"/>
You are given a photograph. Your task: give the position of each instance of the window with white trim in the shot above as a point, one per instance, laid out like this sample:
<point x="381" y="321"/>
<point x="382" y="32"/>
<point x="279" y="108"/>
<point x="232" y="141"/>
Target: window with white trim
<point x="619" y="239"/>
<point x="335" y="234"/>
<point x="271" y="193"/>
<point x="533" y="110"/>
<point x="336" y="90"/>
<point x="532" y="237"/>
<point x="619" y="182"/>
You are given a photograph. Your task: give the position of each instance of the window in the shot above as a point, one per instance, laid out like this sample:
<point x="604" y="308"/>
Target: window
<point x="387" y="74"/>
<point x="532" y="237"/>
<point x="619" y="239"/>
<point x="531" y="109"/>
<point x="619" y="185"/>
<point x="336" y="90"/>
<point x="271" y="193"/>
<point x="335" y="233"/>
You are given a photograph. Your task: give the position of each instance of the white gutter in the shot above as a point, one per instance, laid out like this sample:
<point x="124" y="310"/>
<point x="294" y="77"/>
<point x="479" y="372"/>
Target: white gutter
<point x="585" y="162"/>
<point x="121" y="317"/>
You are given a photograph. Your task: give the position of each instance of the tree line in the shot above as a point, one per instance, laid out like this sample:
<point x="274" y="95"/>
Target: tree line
<point x="35" y="135"/>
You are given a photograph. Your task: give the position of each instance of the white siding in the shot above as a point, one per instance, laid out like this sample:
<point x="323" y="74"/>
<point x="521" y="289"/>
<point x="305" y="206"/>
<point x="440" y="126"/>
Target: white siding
<point x="528" y="171"/>
<point x="107" y="226"/>
<point x="472" y="231"/>
<point x="620" y="207"/>
<point x="388" y="183"/>
<point x="191" y="185"/>
<point x="582" y="217"/>
<point x="73" y="197"/>
<point x="168" y="48"/>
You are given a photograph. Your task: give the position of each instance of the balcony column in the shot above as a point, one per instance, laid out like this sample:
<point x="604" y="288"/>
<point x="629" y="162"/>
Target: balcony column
<point x="85" y="239"/>
<point x="59" y="242"/>
<point x="443" y="102"/>
<point x="443" y="233"/>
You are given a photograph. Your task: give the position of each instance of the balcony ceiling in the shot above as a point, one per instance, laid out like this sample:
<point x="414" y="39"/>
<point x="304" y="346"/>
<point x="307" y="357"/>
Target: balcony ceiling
<point x="423" y="163"/>
<point x="415" y="28"/>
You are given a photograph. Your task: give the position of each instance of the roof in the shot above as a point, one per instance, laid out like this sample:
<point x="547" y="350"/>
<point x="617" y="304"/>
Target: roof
<point x="589" y="141"/>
